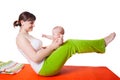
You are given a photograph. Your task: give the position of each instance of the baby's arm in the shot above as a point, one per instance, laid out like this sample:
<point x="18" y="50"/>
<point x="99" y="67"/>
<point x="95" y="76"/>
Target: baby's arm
<point x="47" y="36"/>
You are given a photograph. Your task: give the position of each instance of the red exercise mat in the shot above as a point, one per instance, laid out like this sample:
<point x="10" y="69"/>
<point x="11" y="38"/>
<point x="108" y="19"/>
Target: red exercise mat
<point x="67" y="73"/>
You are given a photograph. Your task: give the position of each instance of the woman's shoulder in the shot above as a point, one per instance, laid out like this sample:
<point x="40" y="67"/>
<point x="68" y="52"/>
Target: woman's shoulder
<point x="20" y="37"/>
<point x="21" y="40"/>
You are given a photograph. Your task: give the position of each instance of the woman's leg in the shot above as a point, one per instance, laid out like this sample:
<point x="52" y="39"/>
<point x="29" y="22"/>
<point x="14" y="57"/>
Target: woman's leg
<point x="57" y="59"/>
<point x="109" y="38"/>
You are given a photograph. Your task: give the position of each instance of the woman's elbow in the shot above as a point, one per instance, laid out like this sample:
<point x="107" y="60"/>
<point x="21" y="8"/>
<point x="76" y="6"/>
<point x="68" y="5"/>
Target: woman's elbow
<point x="36" y="60"/>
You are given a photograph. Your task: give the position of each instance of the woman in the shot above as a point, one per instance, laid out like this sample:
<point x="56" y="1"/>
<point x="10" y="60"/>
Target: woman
<point x="48" y="61"/>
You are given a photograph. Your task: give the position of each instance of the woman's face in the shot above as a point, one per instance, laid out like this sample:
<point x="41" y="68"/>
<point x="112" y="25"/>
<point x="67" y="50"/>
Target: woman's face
<point x="28" y="25"/>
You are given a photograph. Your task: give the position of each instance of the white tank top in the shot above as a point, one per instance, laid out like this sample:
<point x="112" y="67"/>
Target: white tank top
<point x="36" y="44"/>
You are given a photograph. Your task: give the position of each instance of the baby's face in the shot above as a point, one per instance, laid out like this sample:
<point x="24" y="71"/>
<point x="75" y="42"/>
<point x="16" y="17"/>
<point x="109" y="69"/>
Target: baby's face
<point x="56" y="33"/>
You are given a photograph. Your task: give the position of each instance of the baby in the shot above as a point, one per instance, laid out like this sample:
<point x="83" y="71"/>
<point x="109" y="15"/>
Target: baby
<point x="57" y="31"/>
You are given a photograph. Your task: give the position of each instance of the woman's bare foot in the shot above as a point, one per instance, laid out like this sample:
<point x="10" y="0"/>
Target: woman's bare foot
<point x="109" y="38"/>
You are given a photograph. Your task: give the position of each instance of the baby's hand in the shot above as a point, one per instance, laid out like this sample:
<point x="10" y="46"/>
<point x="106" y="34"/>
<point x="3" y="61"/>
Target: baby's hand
<point x="61" y="37"/>
<point x="60" y="40"/>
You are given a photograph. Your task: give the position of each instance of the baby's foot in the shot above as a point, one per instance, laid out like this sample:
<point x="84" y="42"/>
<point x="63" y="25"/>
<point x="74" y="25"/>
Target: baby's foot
<point x="109" y="38"/>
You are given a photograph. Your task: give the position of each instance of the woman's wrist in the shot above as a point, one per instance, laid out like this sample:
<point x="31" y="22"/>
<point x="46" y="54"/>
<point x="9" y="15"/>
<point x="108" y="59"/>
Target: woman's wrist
<point x="52" y="47"/>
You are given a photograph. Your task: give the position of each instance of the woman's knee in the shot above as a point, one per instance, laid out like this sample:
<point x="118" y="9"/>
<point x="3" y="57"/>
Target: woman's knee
<point x="69" y="41"/>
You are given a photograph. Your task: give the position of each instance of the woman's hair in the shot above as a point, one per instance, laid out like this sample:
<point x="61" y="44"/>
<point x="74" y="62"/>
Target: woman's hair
<point x="25" y="16"/>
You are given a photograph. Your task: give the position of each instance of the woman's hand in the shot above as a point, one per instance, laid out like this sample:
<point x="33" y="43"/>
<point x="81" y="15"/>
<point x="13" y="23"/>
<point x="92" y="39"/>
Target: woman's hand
<point x="56" y="43"/>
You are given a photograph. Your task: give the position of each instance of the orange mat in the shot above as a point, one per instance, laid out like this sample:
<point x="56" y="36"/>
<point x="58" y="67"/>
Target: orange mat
<point x="67" y="73"/>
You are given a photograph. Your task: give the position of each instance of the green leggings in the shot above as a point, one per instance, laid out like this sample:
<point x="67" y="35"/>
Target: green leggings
<point x="53" y="63"/>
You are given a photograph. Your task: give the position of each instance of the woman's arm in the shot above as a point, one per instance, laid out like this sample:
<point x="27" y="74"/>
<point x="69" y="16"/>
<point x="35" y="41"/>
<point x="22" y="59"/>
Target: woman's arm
<point x="29" y="51"/>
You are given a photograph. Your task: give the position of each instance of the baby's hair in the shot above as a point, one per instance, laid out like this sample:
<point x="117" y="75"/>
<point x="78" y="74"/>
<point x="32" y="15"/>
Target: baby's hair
<point x="61" y="28"/>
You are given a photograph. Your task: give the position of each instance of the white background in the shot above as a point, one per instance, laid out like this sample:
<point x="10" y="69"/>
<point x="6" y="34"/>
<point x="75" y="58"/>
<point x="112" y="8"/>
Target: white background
<point x="82" y="19"/>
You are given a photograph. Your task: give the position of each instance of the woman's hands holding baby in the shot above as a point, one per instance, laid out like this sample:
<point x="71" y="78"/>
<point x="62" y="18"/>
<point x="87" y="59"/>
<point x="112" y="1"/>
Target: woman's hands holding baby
<point x="56" y="43"/>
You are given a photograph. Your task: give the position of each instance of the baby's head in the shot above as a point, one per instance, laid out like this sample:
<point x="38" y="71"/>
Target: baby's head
<point x="57" y="31"/>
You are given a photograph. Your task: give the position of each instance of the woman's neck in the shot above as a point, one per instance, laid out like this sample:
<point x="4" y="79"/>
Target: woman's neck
<point x="23" y="31"/>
